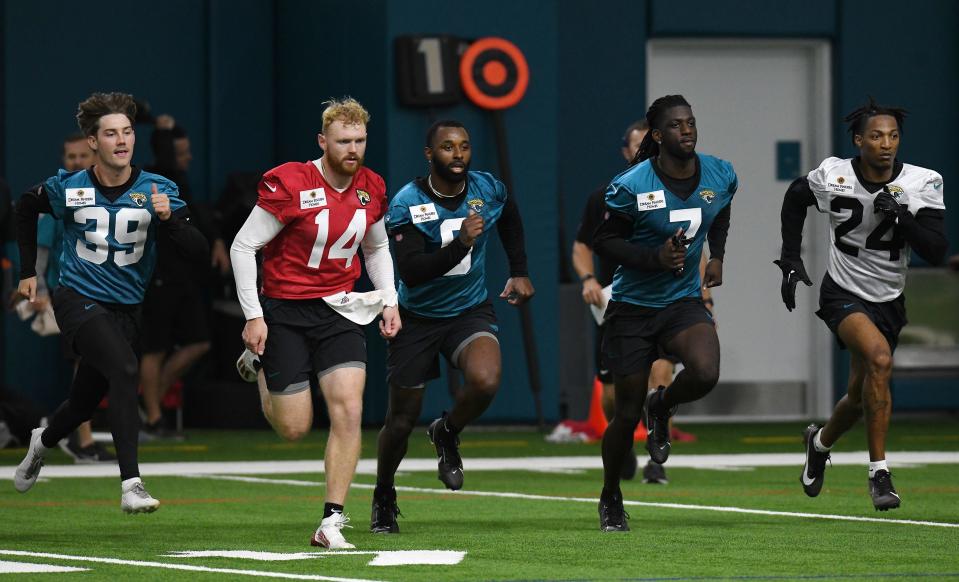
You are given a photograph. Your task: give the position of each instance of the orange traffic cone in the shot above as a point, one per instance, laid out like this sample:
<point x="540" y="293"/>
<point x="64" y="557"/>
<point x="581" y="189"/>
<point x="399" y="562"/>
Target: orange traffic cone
<point x="640" y="434"/>
<point x="597" y="419"/>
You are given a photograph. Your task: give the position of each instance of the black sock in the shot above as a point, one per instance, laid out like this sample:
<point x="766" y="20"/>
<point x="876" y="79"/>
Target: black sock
<point x="383" y="489"/>
<point x="331" y="508"/>
<point x="609" y="493"/>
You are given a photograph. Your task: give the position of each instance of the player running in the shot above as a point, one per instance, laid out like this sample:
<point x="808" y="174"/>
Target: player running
<point x="880" y="210"/>
<point x="309" y="220"/>
<point x="113" y="217"/>
<point x="659" y="213"/>
<point x="439" y="226"/>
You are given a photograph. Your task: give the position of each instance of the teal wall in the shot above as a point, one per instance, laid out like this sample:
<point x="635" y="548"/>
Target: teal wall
<point x="247" y="78"/>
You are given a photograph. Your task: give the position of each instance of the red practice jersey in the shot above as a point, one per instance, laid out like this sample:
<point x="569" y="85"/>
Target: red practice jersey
<point x="315" y="253"/>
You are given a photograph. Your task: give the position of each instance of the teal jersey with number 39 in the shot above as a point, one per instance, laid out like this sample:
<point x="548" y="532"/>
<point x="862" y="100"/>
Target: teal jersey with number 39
<point x="109" y="247"/>
<point x="657" y="213"/>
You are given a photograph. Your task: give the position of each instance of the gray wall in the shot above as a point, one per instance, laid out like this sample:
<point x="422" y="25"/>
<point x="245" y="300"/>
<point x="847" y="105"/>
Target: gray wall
<point x="246" y="78"/>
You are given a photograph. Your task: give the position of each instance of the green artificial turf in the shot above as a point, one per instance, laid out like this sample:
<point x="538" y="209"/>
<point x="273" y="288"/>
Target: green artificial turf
<point x="554" y="536"/>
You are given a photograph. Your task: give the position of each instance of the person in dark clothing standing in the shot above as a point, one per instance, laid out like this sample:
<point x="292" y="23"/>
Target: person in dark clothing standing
<point x="176" y="334"/>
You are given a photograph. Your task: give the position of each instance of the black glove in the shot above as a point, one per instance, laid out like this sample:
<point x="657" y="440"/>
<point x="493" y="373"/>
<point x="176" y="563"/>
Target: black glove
<point x="793" y="272"/>
<point x="685" y="241"/>
<point x="885" y="203"/>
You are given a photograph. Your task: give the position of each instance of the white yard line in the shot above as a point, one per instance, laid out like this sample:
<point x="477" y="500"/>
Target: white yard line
<point x="167" y="566"/>
<point x="368" y="466"/>
<point x="529" y="496"/>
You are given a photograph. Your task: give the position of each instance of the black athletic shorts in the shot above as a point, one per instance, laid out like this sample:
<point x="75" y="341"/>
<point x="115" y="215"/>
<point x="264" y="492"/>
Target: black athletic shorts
<point x="413" y="355"/>
<point x="636" y="336"/>
<point x="174" y="314"/>
<point x="73" y="309"/>
<point x="307" y="339"/>
<point x="835" y="304"/>
<point x="602" y="370"/>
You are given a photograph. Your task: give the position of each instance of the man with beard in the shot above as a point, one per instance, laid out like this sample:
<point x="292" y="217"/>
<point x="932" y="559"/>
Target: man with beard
<point x="880" y="210"/>
<point x="309" y="220"/>
<point x="659" y="212"/>
<point x="439" y="226"/>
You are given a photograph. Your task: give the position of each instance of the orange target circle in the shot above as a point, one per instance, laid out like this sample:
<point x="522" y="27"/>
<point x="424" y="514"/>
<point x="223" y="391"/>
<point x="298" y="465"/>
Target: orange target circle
<point x="494" y="73"/>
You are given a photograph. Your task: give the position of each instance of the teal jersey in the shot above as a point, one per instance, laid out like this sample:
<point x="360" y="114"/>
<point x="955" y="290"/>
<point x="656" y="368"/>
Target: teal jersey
<point x="657" y="213"/>
<point x="463" y="286"/>
<point x="109" y="246"/>
<point x="50" y="236"/>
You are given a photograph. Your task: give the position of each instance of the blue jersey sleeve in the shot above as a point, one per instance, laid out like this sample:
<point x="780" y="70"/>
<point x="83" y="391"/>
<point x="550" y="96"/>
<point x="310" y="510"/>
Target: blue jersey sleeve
<point x="620" y="199"/>
<point x="169" y="188"/>
<point x="398" y="214"/>
<point x="53" y="187"/>
<point x="733" y="179"/>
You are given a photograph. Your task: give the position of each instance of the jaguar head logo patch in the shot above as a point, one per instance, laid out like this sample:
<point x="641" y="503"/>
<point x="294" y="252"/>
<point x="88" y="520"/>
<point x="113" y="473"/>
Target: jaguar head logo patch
<point x="363" y="196"/>
<point x="139" y="198"/>
<point x="707" y="195"/>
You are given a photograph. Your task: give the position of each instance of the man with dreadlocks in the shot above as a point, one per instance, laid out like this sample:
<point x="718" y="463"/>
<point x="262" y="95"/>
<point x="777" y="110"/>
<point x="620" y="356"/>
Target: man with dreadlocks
<point x="658" y="214"/>
<point x="879" y="209"/>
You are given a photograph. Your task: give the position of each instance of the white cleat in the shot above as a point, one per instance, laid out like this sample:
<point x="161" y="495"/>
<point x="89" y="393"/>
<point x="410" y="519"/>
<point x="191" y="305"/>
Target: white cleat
<point x="247" y="365"/>
<point x="135" y="498"/>
<point x="328" y="534"/>
<point x="29" y="468"/>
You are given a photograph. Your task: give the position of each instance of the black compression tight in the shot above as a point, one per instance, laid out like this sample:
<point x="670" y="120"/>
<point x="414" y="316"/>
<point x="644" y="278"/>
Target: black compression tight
<point x="401" y="417"/>
<point x="108" y="367"/>
<point x="618" y="438"/>
<point x="697" y="347"/>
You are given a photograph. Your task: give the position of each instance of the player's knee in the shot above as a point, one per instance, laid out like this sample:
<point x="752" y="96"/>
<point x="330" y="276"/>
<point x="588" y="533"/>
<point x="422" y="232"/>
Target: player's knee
<point x="127" y="371"/>
<point x="400" y="423"/>
<point x="629" y="418"/>
<point x="291" y="432"/>
<point x="880" y="363"/>
<point x="705" y="376"/>
<point x="484" y="381"/>
<point x="346" y="416"/>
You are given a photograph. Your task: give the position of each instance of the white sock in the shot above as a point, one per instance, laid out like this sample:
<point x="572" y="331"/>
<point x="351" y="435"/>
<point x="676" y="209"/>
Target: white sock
<point x="128" y="484"/>
<point x="877" y="466"/>
<point x="817" y="443"/>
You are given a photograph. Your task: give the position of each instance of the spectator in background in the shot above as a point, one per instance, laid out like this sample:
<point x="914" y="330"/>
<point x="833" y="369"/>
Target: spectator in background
<point x="176" y="332"/>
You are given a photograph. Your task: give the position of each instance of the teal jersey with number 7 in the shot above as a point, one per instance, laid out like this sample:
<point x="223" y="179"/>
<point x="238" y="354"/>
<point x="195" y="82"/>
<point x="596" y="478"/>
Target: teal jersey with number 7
<point x="656" y="214"/>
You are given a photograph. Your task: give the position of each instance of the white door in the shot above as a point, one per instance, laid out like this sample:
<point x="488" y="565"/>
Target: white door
<point x="748" y="95"/>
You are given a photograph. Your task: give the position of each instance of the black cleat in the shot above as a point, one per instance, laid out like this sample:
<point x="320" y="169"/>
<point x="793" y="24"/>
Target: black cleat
<point x="884" y="496"/>
<point x="385" y="511"/>
<point x="813" y="472"/>
<point x="655" y="473"/>
<point x="629" y="467"/>
<point x="612" y="516"/>
<point x="657" y="424"/>
<point x="450" y="465"/>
